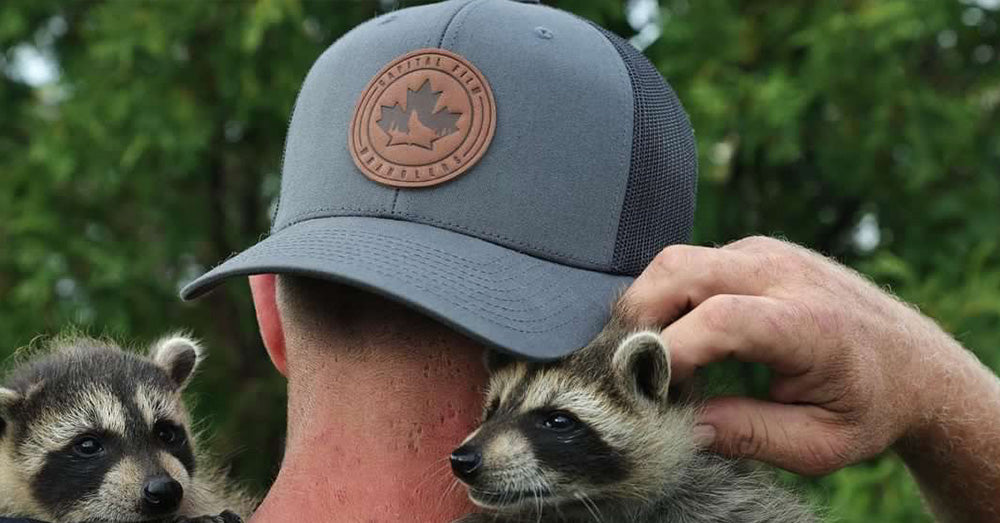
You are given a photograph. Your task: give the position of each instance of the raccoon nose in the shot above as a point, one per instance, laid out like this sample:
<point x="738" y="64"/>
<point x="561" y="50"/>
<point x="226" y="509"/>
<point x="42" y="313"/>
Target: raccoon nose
<point x="465" y="462"/>
<point x="161" y="495"/>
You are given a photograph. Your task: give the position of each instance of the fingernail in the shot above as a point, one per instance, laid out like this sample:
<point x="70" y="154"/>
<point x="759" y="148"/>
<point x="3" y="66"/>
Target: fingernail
<point x="704" y="435"/>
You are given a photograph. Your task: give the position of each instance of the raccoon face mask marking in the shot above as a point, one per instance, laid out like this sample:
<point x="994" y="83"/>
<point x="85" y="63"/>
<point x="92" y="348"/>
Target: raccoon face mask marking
<point x="594" y="426"/>
<point x="91" y="432"/>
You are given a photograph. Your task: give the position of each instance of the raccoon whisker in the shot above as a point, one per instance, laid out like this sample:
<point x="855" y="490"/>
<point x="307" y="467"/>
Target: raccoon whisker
<point x="591" y="507"/>
<point x="439" y="463"/>
<point x="542" y="488"/>
<point x="447" y="492"/>
<point x="442" y="467"/>
<point x="503" y="498"/>
<point x="536" y="502"/>
<point x="454" y="485"/>
<point x="516" y="496"/>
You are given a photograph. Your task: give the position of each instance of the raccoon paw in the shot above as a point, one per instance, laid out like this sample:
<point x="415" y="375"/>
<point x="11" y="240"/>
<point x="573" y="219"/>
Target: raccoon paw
<point x="225" y="517"/>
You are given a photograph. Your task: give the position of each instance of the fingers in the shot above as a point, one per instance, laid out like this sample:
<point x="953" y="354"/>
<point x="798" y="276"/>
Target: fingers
<point x="682" y="276"/>
<point x="749" y="328"/>
<point x="801" y="438"/>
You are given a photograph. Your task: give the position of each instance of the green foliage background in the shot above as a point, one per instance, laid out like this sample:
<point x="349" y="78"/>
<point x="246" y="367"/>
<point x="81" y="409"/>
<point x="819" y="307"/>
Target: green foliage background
<point x="155" y="154"/>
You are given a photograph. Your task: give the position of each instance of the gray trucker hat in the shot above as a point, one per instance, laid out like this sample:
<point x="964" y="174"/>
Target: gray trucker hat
<point x="504" y="167"/>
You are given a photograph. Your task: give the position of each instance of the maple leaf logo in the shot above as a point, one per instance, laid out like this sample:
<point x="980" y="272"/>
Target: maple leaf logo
<point x="418" y="123"/>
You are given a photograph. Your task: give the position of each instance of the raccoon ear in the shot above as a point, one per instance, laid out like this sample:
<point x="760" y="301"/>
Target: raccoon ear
<point x="178" y="356"/>
<point x="643" y="360"/>
<point x="8" y="398"/>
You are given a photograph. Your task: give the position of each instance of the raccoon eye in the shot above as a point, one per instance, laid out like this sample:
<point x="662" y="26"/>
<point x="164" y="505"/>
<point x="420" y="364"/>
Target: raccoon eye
<point x="560" y="421"/>
<point x="88" y="447"/>
<point x="168" y="433"/>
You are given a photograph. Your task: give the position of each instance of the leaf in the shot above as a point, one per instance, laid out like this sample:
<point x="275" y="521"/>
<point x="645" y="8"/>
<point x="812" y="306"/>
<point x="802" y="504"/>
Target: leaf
<point x="424" y="100"/>
<point x="418" y="134"/>
<point x="394" y="118"/>
<point x="419" y="123"/>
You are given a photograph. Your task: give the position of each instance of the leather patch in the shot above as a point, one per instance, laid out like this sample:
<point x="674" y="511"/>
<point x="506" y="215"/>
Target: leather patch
<point x="424" y="119"/>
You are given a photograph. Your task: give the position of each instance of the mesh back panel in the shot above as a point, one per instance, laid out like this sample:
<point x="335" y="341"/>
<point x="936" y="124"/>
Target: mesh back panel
<point x="659" y="199"/>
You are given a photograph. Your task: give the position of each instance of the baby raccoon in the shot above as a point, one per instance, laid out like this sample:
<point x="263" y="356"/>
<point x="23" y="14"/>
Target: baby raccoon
<point x="599" y="436"/>
<point x="92" y="433"/>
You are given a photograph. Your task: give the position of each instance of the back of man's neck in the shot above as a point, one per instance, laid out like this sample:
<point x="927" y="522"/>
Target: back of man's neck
<point x="329" y="489"/>
<point x="372" y="444"/>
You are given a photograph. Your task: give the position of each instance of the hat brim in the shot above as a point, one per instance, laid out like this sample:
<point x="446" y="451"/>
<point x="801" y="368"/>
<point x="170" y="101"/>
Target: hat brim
<point x="527" y="306"/>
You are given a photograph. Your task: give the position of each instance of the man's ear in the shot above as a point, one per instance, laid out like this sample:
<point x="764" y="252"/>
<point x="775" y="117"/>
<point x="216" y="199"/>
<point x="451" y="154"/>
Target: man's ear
<point x="8" y="398"/>
<point x="643" y="361"/>
<point x="179" y="356"/>
<point x="265" y="301"/>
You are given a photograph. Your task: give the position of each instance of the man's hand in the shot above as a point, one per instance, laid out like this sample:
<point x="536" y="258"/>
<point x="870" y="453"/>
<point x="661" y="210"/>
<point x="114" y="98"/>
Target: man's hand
<point x="855" y="369"/>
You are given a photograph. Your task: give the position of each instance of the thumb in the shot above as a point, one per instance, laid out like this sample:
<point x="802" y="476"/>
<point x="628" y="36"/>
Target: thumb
<point x="804" y="439"/>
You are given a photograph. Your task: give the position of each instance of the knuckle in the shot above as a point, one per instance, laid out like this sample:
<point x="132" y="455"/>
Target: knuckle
<point x="782" y="319"/>
<point x="672" y="258"/>
<point x="754" y="243"/>
<point x="749" y="442"/>
<point x="784" y="261"/>
<point x="747" y="445"/>
<point x="770" y="258"/>
<point x="813" y="321"/>
<point x="718" y="311"/>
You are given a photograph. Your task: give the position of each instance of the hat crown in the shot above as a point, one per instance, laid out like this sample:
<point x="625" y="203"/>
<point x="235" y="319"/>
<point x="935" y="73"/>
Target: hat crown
<point x="591" y="163"/>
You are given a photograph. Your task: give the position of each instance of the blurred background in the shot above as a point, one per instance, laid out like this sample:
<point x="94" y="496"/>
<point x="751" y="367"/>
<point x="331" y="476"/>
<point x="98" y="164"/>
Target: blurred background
<point x="140" y="143"/>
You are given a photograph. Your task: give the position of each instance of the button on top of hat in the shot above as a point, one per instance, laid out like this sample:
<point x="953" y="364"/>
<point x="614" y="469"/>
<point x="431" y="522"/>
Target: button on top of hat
<point x="424" y="119"/>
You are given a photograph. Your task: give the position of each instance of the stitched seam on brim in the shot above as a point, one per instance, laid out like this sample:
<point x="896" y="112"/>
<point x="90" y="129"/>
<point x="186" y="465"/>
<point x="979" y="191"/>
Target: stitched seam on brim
<point x="305" y="216"/>
<point x="467" y="287"/>
<point x="480" y="314"/>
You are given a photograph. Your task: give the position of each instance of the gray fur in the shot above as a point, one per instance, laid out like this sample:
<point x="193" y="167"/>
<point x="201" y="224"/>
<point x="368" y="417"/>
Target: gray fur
<point x="642" y="440"/>
<point x="82" y="388"/>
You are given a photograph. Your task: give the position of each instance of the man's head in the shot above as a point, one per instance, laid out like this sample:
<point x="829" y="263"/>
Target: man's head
<point x="489" y="173"/>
